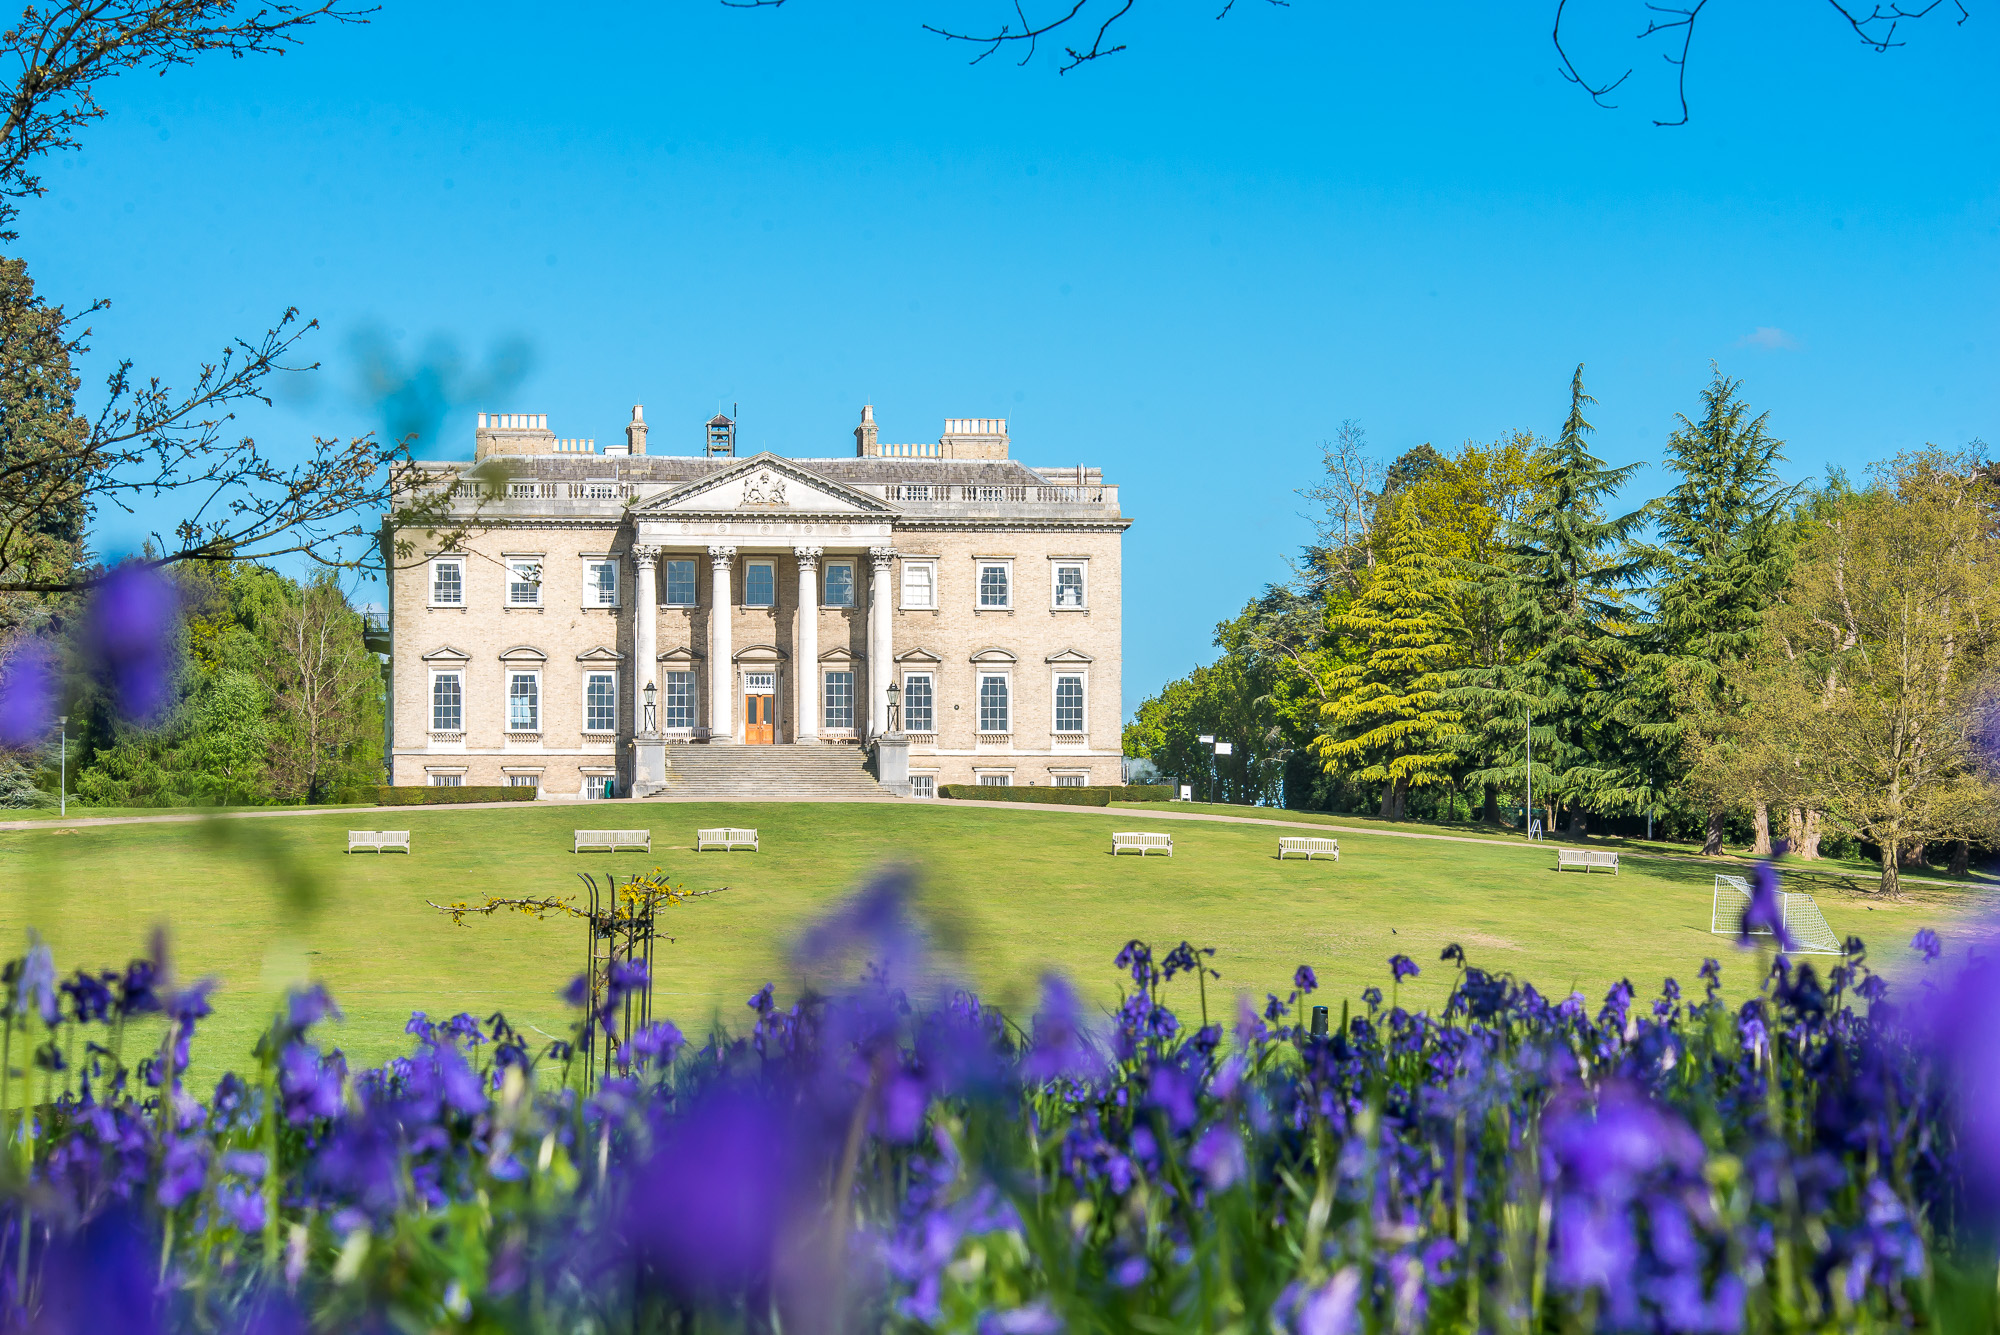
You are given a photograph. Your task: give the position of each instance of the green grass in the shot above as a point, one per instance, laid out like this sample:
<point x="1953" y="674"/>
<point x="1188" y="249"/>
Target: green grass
<point x="1010" y="893"/>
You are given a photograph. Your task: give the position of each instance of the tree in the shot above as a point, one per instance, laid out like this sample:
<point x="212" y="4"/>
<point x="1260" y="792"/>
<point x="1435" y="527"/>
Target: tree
<point x="1870" y="689"/>
<point x="1388" y="718"/>
<point x="327" y="688"/>
<point x="1722" y="557"/>
<point x="1560" y="581"/>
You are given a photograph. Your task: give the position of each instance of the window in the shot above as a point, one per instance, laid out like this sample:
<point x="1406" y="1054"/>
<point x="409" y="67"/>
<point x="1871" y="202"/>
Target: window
<point x="760" y="683"/>
<point x="1069" y="703"/>
<point x="600" y="583"/>
<point x="524" y="780"/>
<point x="524" y="702"/>
<point x="923" y="785"/>
<point x="919" y="585"/>
<point x="840" y="583"/>
<point x="918" y="703"/>
<point x="996" y="781"/>
<point x="677" y="704"/>
<point x="1069" y="586"/>
<point x="597" y="785"/>
<point x="993" y="586"/>
<point x="760" y="584"/>
<point x="840" y="699"/>
<point x="447" y="702"/>
<point x="447" y="583"/>
<point x="600" y="702"/>
<point x="447" y="781"/>
<point x="524" y="583"/>
<point x="993" y="704"/>
<point x="1072" y="780"/>
<point x="680" y="584"/>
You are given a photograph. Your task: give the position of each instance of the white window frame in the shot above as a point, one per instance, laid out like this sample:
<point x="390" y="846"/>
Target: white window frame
<point x="993" y="778"/>
<point x="456" y="563"/>
<point x="826" y="712"/>
<point x="589" y="674"/>
<point x="458" y="675"/>
<point x="515" y="564"/>
<point x="1055" y="702"/>
<point x="1056" y="566"/>
<point x="930" y="567"/>
<point x="980" y="565"/>
<point x="929" y="678"/>
<point x="1006" y="680"/>
<point x="534" y="675"/>
<point x="593" y="595"/>
<point x="437" y="779"/>
<point x="826" y="583"/>
<point x="923" y="783"/>
<point x="693" y="699"/>
<point x="751" y="565"/>
<point x="533" y="781"/>
<point x="667" y="584"/>
<point x="1076" y="778"/>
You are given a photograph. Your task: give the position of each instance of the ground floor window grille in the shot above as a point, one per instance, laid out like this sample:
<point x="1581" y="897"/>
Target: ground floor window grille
<point x="840" y="699"/>
<point x="447" y="781"/>
<point x="993" y="713"/>
<point x="595" y="786"/>
<point x="678" y="710"/>
<point x="524" y="780"/>
<point x="996" y="781"/>
<point x="1072" y="780"/>
<point x="923" y="785"/>
<point x="600" y="702"/>
<point x="1069" y="703"/>
<point x="918" y="703"/>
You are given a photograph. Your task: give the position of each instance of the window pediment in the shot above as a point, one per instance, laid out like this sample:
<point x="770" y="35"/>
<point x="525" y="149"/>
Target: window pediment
<point x="919" y="655"/>
<point x="447" y="654"/>
<point x="759" y="653"/>
<point x="681" y="655"/>
<point x="994" y="655"/>
<point x="837" y="655"/>
<point x="600" y="654"/>
<point x="523" y="653"/>
<point x="1070" y="656"/>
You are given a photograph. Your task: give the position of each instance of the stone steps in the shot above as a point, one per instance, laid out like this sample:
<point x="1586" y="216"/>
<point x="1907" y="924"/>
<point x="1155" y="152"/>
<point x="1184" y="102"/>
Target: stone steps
<point x="778" y="773"/>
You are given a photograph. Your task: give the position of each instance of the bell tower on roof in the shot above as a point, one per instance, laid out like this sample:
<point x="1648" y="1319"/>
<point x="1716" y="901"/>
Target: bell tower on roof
<point x="721" y="437"/>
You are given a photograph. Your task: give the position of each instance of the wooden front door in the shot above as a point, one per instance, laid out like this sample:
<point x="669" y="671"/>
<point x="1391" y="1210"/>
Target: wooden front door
<point x="758" y="717"/>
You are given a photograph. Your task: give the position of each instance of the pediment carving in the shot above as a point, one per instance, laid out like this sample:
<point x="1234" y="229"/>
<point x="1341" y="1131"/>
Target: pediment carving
<point x="762" y="484"/>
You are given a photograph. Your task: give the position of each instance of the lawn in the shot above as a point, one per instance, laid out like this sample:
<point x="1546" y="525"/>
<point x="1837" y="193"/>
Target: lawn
<point x="1009" y="894"/>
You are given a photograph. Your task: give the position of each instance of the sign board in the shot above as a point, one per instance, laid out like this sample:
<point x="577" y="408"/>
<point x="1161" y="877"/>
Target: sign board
<point x="1225" y="748"/>
<point x="1187" y="792"/>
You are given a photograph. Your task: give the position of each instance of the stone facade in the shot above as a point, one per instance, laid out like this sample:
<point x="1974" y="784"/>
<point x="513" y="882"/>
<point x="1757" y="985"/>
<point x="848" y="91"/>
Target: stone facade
<point x="527" y="627"/>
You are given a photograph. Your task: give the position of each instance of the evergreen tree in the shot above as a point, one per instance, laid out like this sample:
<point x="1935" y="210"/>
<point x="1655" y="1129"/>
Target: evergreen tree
<point x="1387" y="718"/>
<point x="1723" y="557"/>
<point x="1561" y="583"/>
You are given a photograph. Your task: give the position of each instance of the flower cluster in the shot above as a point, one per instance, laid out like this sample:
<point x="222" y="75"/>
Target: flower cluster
<point x="899" y="1155"/>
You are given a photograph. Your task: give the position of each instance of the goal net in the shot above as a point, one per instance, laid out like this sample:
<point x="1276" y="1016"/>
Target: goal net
<point x="1804" y="922"/>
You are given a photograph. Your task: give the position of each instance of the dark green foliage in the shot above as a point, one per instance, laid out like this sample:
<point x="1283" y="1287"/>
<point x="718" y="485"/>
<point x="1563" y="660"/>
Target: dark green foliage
<point x="1059" y="797"/>
<point x="427" y="796"/>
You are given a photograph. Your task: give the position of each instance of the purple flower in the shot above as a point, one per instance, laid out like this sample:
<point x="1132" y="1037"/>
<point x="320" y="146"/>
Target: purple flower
<point x="27" y="695"/>
<point x="1305" y="980"/>
<point x="1035" y="1319"/>
<point x="183" y="1170"/>
<point x="707" y="1208"/>
<point x="38" y="980"/>
<point x="1172" y="1090"/>
<point x="1060" y="1049"/>
<point x="245" y="1163"/>
<point x="1960" y="1025"/>
<point x="130" y="635"/>
<point x="655" y="1044"/>
<point x="1764" y="915"/>
<point x="1402" y="966"/>
<point x="576" y="994"/>
<point x="1328" y="1310"/>
<point x="310" y="1084"/>
<point x="900" y="1114"/>
<point x="309" y="1005"/>
<point x="245" y="1209"/>
<point x="873" y="925"/>
<point x="1218" y="1156"/>
<point x="101" y="1278"/>
<point x="1926" y="943"/>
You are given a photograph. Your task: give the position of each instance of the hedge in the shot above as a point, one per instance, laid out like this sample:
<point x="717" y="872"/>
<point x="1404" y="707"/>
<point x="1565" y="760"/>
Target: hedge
<point x="425" y="796"/>
<point x="1062" y="797"/>
<point x="1141" y="792"/>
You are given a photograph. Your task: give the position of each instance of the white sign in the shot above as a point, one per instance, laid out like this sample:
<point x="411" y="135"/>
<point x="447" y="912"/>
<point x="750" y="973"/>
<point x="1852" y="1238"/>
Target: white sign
<point x="1187" y="792"/>
<point x="1207" y="738"/>
<point x="1225" y="748"/>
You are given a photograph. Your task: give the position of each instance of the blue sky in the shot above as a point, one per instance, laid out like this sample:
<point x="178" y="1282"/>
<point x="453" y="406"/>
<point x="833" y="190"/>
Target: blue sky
<point x="1187" y="264"/>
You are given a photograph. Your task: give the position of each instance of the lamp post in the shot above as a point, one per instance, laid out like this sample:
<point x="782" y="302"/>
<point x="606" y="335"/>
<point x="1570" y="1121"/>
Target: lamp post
<point x="62" y="765"/>
<point x="652" y="694"/>
<point x="1528" y="817"/>
<point x="895" y="693"/>
<point x="1207" y="739"/>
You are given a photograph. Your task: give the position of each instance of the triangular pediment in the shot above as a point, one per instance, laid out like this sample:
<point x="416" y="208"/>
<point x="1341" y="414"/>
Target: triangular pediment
<point x="600" y="654"/>
<point x="447" y="655"/>
<point x="765" y="484"/>
<point x="1070" y="656"/>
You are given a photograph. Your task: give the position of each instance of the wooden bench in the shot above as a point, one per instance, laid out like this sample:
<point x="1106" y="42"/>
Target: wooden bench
<point x="613" y="840"/>
<point x="1308" y="845"/>
<point x="378" y="841"/>
<point x="1141" y="843"/>
<point x="1587" y="859"/>
<point x="725" y="839"/>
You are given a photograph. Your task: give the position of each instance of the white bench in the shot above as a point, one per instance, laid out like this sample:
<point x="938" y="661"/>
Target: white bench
<point x="1141" y="843"/>
<point x="1308" y="845"/>
<point x="1587" y="859"/>
<point x="725" y="839"/>
<point x="379" y="841"/>
<point x="613" y="840"/>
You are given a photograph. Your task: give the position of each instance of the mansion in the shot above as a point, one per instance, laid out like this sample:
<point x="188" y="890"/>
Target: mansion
<point x="578" y="618"/>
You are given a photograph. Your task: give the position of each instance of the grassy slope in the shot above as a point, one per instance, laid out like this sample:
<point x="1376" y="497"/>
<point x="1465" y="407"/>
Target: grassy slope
<point x="1011" y="892"/>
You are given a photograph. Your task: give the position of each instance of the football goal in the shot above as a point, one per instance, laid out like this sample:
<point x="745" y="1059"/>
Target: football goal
<point x="1804" y="923"/>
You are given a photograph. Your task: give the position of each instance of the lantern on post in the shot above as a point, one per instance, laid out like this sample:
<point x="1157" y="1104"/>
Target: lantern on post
<point x="652" y="716"/>
<point x="895" y="707"/>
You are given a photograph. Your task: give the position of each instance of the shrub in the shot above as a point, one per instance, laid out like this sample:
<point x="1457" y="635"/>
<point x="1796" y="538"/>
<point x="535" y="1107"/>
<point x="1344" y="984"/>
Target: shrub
<point x="1142" y="792"/>
<point x="1060" y="797"/>
<point x="427" y="796"/>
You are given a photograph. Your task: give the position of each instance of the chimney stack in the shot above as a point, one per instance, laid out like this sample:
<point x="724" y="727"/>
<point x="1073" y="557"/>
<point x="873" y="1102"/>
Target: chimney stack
<point x="864" y="435"/>
<point x="635" y="430"/>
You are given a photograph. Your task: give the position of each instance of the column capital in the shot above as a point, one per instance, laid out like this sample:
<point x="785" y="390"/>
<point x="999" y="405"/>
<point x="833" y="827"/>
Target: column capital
<point x="880" y="557"/>
<point x="645" y="553"/>
<point x="808" y="556"/>
<point x="722" y="553"/>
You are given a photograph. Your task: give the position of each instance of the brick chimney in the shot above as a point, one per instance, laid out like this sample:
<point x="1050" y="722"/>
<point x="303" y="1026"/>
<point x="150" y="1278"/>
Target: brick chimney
<point x="864" y="435"/>
<point x="635" y="430"/>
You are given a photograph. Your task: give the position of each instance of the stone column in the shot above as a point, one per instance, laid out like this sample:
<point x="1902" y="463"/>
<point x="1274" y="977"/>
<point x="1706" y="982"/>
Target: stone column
<point x="881" y="561"/>
<point x="805" y="647"/>
<point x="649" y="750"/>
<point x="721" y="671"/>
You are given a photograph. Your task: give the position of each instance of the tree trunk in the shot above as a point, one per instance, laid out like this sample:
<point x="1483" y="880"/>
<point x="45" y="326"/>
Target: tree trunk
<point x="1961" y="857"/>
<point x="1809" y="837"/>
<point x="1388" y="811"/>
<point x="1402" y="798"/>
<point x="1892" y="881"/>
<point x="1711" y="846"/>
<point x="1490" y="811"/>
<point x="1762" y="845"/>
<point x="1914" y="856"/>
<point x="1579" y="824"/>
